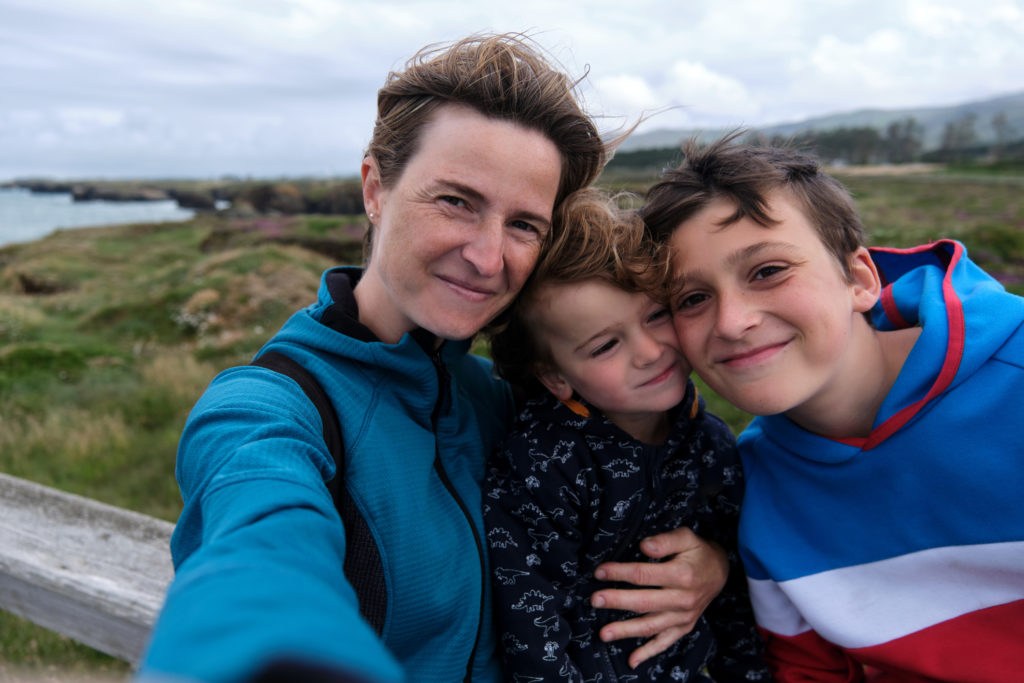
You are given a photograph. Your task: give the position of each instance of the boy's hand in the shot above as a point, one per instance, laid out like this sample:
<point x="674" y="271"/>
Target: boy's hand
<point x="681" y="588"/>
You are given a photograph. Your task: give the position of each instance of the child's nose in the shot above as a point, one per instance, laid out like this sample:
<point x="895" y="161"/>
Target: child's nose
<point x="647" y="349"/>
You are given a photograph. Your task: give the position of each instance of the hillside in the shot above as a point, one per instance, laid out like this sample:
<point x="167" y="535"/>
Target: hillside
<point x="932" y="119"/>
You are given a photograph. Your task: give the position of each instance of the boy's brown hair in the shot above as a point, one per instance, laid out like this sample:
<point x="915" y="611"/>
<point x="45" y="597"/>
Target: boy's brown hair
<point x="597" y="239"/>
<point x="745" y="175"/>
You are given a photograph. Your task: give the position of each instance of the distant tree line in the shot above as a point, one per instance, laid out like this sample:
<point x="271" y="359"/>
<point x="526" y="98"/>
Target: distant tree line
<point x="900" y="142"/>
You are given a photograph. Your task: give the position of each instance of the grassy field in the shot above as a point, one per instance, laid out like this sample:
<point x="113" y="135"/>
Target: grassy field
<point x="108" y="335"/>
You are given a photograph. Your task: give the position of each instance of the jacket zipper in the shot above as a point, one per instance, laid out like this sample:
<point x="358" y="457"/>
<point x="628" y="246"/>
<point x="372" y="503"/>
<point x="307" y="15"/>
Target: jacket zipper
<point x="443" y="380"/>
<point x="655" y="489"/>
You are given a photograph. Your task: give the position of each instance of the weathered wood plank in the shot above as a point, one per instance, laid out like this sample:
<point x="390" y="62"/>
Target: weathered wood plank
<point x="93" y="572"/>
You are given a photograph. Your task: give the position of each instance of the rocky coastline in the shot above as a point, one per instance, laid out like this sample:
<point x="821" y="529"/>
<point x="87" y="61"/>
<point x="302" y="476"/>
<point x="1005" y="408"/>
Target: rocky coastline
<point x="337" y="197"/>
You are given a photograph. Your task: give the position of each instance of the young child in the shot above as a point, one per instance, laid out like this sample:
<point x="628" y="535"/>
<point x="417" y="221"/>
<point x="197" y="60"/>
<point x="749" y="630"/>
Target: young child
<point x="882" y="528"/>
<point x="613" y="446"/>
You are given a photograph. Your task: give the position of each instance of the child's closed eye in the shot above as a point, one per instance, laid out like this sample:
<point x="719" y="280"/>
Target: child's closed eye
<point x="659" y="314"/>
<point x="604" y="348"/>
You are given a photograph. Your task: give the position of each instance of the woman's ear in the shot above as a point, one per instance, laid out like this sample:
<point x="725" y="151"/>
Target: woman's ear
<point x="553" y="380"/>
<point x="866" y="284"/>
<point x="372" y="188"/>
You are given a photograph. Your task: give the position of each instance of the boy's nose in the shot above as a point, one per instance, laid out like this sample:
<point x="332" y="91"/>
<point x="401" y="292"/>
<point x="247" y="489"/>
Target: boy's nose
<point x="485" y="248"/>
<point x="735" y="316"/>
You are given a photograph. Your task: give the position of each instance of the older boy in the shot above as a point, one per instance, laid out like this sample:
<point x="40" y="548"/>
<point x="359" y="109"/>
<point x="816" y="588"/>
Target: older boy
<point x="881" y="528"/>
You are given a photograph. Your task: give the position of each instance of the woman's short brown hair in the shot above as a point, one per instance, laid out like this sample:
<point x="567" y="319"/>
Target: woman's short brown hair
<point x="506" y="77"/>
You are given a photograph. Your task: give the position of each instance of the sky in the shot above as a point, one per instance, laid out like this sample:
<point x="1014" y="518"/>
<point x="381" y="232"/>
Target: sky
<point x="275" y="88"/>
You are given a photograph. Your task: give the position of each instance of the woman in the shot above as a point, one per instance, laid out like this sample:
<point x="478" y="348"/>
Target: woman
<point x="474" y="146"/>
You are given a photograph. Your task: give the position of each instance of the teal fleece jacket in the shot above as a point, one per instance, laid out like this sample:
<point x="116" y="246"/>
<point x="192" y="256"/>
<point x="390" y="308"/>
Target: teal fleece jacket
<point x="259" y="547"/>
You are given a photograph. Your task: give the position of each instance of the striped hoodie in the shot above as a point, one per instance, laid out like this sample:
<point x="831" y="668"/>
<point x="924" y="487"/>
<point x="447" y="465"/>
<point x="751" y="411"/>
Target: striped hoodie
<point x="900" y="556"/>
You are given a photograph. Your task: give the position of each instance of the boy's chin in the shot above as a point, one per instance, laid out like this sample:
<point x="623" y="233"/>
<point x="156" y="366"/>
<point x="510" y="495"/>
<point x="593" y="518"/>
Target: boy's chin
<point x="758" y="406"/>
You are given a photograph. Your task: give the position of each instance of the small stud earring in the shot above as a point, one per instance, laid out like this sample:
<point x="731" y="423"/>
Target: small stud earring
<point x="372" y="215"/>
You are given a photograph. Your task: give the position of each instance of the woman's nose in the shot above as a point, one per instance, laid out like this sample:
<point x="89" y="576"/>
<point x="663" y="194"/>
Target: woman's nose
<point x="485" y="248"/>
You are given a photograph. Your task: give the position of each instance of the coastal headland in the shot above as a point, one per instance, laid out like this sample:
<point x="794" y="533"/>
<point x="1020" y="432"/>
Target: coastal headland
<point x="288" y="197"/>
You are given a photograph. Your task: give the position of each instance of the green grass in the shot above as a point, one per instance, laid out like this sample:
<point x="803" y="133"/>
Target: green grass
<point x="116" y="353"/>
<point x="31" y="653"/>
<point x="986" y="213"/>
<point x="99" y="369"/>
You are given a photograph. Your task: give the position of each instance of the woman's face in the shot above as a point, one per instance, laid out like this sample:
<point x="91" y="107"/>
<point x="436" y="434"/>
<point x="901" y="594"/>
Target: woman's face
<point x="459" y="232"/>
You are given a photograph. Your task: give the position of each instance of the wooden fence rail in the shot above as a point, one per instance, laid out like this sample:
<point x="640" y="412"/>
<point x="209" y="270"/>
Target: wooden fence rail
<point x="93" y="572"/>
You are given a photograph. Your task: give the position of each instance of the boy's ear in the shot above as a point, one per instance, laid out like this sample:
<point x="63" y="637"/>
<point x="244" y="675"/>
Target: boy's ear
<point x="372" y="188"/>
<point x="553" y="380"/>
<point x="866" y="284"/>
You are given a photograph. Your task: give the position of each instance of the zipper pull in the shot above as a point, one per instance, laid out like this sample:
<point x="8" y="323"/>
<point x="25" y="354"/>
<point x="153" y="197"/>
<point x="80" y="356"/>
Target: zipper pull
<point x="443" y="403"/>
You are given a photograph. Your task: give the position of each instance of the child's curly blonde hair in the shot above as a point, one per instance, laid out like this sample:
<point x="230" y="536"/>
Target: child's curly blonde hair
<point x="595" y="239"/>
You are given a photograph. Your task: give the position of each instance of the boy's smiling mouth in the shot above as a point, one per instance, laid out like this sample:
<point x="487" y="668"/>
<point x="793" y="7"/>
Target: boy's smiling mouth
<point x="754" y="357"/>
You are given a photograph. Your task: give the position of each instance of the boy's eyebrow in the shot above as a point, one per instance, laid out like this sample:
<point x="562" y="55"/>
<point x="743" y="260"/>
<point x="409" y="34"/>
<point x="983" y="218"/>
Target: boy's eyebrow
<point x="752" y="250"/>
<point x="476" y="196"/>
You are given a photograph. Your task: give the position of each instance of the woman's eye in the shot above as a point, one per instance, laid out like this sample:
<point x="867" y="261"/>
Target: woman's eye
<point x="454" y="201"/>
<point x="525" y="227"/>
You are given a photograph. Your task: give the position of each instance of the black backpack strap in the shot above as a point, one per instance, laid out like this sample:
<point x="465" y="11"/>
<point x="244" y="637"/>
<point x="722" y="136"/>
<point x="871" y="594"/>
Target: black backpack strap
<point x="363" y="567"/>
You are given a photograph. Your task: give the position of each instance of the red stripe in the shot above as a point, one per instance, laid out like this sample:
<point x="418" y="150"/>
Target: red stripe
<point x="808" y="657"/>
<point x="983" y="646"/>
<point x="928" y="246"/>
<point x="954" y="353"/>
<point x="986" y="646"/>
<point x="891" y="312"/>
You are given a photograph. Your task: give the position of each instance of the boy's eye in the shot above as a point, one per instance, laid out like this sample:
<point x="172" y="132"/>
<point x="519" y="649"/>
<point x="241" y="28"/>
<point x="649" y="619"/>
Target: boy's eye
<point x="765" y="272"/>
<point x="690" y="300"/>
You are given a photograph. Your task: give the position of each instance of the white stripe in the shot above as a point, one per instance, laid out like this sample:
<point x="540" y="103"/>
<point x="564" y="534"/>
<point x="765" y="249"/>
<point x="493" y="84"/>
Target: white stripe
<point x="874" y="603"/>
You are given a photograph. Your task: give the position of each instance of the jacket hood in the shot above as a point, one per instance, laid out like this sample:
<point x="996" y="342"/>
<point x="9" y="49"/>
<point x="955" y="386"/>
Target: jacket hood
<point x="329" y="336"/>
<point x="966" y="316"/>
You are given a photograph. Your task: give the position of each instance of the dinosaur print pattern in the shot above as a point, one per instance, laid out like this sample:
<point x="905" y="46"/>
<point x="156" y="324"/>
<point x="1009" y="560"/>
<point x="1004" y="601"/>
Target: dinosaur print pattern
<point x="567" y="493"/>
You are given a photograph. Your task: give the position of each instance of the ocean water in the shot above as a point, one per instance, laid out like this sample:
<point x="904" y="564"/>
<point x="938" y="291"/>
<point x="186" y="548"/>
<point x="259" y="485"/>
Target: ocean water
<point x="27" y="216"/>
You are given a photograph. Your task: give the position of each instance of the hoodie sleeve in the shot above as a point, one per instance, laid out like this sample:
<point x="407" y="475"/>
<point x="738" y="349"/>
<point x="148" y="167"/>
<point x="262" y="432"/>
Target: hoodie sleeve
<point x="259" y="547"/>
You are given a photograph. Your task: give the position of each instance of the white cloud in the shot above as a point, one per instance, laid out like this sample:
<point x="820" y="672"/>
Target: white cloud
<point x="707" y="93"/>
<point x="204" y="87"/>
<point x="935" y="19"/>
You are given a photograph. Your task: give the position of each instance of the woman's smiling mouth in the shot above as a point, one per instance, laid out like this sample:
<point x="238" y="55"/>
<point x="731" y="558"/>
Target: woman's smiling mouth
<point x="466" y="290"/>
